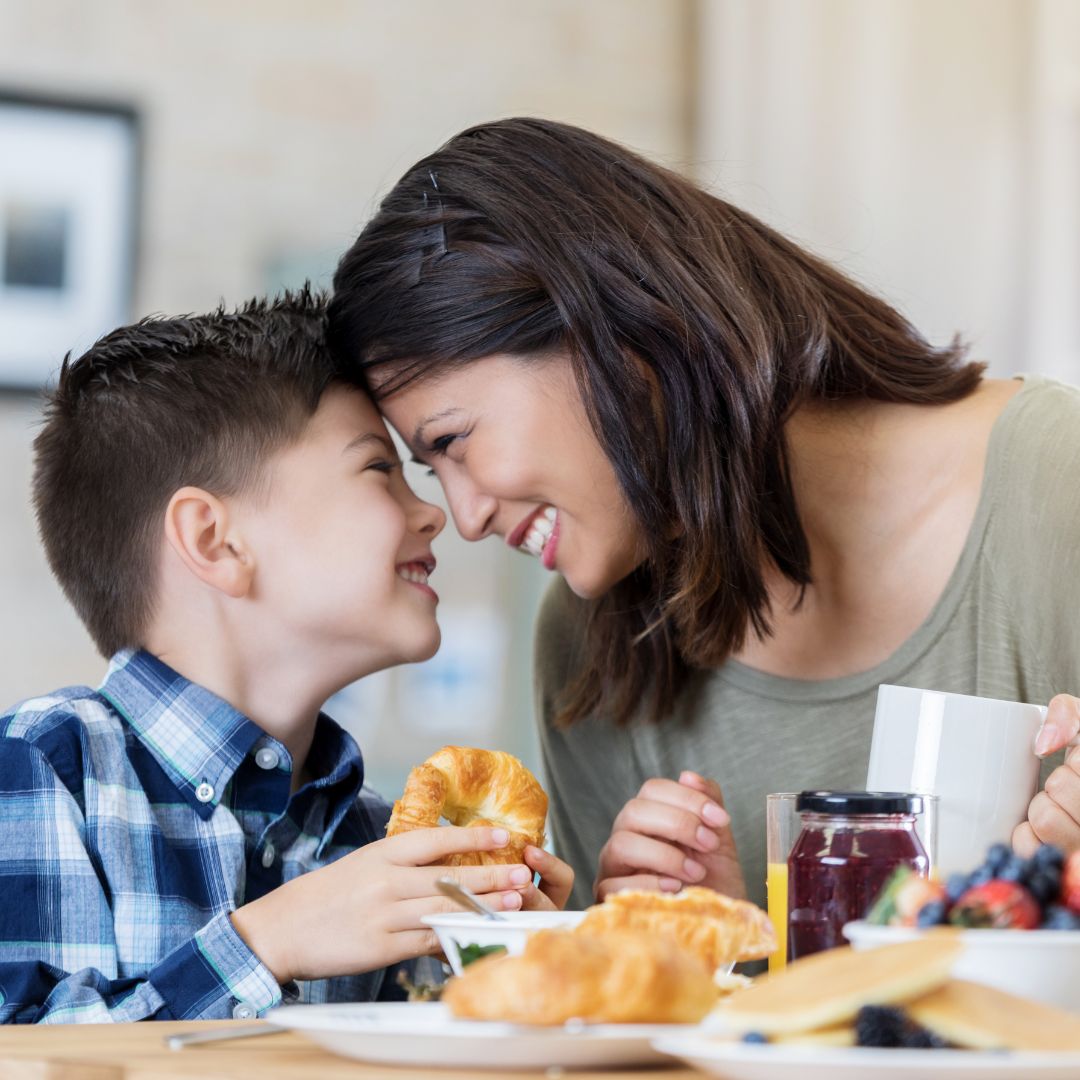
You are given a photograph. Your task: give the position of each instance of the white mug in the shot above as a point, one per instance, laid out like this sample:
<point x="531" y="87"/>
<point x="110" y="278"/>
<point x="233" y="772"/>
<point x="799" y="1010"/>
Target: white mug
<point x="976" y="754"/>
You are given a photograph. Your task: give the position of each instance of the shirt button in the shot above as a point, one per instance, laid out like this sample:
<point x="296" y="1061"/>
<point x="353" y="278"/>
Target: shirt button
<point x="243" y="1011"/>
<point x="204" y="792"/>
<point x="268" y="855"/>
<point x="267" y="757"/>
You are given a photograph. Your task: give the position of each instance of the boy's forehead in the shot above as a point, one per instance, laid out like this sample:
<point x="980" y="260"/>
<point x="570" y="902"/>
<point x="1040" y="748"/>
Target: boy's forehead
<point x="348" y="412"/>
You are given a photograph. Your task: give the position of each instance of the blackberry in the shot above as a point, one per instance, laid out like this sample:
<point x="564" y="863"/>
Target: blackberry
<point x="1044" y="884"/>
<point x="880" y="1025"/>
<point x="919" y="1038"/>
<point x="1060" y="918"/>
<point x="932" y="913"/>
<point x="996" y="857"/>
<point x="1048" y="856"/>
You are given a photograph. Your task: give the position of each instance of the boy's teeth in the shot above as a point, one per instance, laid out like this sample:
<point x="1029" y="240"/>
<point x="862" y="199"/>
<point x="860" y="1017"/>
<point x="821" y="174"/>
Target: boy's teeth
<point x="412" y="573"/>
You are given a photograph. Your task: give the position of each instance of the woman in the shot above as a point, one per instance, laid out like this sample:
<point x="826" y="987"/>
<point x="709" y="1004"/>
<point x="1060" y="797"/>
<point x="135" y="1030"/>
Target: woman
<point x="763" y="491"/>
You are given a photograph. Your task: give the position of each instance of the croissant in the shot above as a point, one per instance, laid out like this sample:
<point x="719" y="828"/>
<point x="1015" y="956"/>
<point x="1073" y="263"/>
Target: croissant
<point x="474" y="787"/>
<point x="621" y="977"/>
<point x="717" y="928"/>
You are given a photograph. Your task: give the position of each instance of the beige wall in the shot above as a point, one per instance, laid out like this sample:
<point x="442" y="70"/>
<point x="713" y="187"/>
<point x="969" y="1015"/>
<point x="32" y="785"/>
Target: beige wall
<point x="928" y="147"/>
<point x="270" y="131"/>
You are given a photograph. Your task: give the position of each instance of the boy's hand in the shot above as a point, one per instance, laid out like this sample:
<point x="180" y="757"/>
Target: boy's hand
<point x="363" y="911"/>
<point x="556" y="881"/>
<point x="673" y="833"/>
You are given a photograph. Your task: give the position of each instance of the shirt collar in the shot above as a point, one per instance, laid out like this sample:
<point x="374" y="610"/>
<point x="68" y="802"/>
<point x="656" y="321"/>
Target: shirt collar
<point x="197" y="738"/>
<point x="200" y="739"/>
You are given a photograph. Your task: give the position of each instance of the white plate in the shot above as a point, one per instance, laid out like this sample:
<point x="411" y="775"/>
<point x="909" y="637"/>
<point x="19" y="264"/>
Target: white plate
<point x="396" y="1033"/>
<point x="744" y="1061"/>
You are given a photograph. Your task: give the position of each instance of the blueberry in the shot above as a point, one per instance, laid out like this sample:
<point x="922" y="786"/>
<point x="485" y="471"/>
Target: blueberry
<point x="932" y="913"/>
<point x="1044" y="884"/>
<point x="879" y="1025"/>
<point x="1048" y="856"/>
<point x="1060" y="918"/>
<point x="755" y="1037"/>
<point x="996" y="857"/>
<point x="956" y="886"/>
<point x="1014" y="868"/>
<point x="980" y="876"/>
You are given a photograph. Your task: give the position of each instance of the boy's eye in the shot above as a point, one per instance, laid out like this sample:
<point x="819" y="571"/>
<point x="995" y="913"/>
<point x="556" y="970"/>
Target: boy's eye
<point x="384" y="466"/>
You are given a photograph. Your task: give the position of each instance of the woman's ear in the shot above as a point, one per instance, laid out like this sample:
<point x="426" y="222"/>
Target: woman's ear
<point x="199" y="530"/>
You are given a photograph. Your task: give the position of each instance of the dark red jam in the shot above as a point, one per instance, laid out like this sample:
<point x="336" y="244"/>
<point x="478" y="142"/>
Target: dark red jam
<point x="850" y="844"/>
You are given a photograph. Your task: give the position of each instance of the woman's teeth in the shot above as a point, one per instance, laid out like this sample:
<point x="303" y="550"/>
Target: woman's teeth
<point x="412" y="572"/>
<point x="539" y="532"/>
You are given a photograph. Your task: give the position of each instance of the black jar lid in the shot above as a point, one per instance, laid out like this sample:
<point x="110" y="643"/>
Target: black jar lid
<point x="845" y="803"/>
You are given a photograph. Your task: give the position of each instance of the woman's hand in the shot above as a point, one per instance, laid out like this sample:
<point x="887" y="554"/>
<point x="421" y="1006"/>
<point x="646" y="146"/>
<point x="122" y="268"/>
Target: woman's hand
<point x="556" y="881"/>
<point x="1054" y="813"/>
<point x="672" y="834"/>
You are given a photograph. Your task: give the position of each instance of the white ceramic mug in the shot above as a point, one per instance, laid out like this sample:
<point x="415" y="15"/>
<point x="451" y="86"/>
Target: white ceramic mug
<point x="976" y="754"/>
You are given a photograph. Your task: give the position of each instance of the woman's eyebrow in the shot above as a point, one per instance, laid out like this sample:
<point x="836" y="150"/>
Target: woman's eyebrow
<point x="370" y="437"/>
<point x="418" y="432"/>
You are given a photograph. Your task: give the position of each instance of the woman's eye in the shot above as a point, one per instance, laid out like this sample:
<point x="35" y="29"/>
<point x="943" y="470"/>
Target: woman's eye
<point x="440" y="445"/>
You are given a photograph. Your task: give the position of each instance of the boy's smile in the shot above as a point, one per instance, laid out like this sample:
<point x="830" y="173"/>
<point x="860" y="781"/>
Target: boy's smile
<point x="342" y="546"/>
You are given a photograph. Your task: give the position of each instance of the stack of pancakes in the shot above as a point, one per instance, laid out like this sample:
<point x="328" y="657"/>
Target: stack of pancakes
<point x="817" y="999"/>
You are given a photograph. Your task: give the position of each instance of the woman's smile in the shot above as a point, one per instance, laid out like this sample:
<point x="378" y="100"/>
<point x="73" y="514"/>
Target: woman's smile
<point x="511" y="443"/>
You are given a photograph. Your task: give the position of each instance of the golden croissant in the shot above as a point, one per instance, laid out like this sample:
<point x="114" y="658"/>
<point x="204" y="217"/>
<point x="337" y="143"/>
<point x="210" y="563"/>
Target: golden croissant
<point x="621" y="977"/>
<point x="474" y="787"/>
<point x="715" y="927"/>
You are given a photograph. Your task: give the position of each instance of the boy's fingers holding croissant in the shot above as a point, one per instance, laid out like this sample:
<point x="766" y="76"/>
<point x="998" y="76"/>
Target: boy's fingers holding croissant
<point x="421" y="847"/>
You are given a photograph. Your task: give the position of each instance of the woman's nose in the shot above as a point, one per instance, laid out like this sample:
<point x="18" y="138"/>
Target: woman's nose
<point x="473" y="512"/>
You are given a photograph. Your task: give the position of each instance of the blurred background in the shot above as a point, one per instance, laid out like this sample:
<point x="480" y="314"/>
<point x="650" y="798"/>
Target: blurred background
<point x="161" y="157"/>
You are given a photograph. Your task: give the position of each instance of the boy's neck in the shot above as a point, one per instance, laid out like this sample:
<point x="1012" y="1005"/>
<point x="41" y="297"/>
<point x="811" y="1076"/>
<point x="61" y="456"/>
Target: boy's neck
<point x="276" y="693"/>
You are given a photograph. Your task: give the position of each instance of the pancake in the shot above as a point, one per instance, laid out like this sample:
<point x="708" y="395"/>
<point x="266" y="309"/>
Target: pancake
<point x="983" y="1018"/>
<point x="828" y="988"/>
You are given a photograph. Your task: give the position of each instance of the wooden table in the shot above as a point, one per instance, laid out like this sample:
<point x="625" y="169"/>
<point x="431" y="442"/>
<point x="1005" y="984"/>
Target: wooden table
<point x="139" y="1052"/>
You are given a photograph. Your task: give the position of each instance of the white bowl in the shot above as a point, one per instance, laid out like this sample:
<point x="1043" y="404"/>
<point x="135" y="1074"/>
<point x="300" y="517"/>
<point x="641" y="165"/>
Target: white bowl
<point x="459" y="930"/>
<point x="1043" y="965"/>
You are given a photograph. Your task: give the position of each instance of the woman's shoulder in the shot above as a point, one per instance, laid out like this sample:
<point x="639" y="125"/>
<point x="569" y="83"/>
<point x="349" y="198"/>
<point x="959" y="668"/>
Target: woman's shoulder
<point x="1038" y="432"/>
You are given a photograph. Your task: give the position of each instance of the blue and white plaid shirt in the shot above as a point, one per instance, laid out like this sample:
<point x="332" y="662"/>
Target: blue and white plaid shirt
<point x="133" y="819"/>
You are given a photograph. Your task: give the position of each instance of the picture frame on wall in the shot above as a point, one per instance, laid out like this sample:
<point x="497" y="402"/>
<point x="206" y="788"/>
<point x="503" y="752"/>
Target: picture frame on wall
<point x="69" y="196"/>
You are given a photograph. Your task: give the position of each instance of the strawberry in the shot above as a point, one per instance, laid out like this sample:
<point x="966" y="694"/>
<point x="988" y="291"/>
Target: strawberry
<point x="1070" y="882"/>
<point x="904" y="895"/>
<point x="997" y="904"/>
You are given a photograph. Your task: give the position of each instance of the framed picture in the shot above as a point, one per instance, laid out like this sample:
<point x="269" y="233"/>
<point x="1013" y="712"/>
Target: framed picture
<point x="69" y="192"/>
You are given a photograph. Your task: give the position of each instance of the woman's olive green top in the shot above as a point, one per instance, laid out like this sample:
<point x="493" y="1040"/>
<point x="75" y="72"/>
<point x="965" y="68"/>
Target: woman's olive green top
<point x="1006" y="626"/>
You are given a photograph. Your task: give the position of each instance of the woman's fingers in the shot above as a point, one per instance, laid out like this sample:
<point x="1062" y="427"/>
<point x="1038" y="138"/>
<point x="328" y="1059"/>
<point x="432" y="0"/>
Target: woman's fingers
<point x="1061" y="726"/>
<point x="649" y="882"/>
<point x="556" y="879"/>
<point x="627" y="853"/>
<point x="705" y="804"/>
<point x="666" y="821"/>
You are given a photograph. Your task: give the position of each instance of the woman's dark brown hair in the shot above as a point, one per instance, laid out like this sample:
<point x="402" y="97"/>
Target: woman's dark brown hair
<point x="694" y="331"/>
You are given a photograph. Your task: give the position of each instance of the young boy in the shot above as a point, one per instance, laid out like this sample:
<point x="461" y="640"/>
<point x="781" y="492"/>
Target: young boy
<point x="193" y="838"/>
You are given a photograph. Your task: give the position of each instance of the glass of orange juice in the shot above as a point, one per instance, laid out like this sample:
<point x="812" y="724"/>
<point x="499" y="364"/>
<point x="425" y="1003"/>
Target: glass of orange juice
<point x="781" y="828"/>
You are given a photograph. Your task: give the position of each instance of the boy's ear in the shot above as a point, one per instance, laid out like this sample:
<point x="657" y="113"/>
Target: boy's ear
<point x="198" y="528"/>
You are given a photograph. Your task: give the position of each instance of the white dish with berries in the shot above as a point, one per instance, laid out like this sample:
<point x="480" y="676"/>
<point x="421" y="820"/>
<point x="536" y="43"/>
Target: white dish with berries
<point x="1019" y="921"/>
<point x="1043" y="965"/>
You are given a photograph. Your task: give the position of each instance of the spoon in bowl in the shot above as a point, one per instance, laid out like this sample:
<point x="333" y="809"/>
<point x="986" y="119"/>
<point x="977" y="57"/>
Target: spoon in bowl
<point x="467" y="898"/>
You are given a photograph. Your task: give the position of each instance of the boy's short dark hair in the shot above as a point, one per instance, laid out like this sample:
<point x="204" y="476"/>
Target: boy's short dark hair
<point x="200" y="400"/>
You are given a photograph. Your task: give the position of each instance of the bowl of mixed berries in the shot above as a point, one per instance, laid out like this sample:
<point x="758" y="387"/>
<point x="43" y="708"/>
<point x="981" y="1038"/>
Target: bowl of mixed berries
<point x="1019" y="921"/>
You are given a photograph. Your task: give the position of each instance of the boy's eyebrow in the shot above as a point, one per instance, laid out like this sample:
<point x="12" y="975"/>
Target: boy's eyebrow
<point x="418" y="432"/>
<point x="371" y="437"/>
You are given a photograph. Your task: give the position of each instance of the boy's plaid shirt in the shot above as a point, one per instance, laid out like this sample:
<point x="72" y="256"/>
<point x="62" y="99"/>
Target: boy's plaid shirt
<point x="133" y="819"/>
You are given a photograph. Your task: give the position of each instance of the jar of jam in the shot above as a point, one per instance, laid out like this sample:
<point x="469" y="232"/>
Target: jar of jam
<point x="850" y="843"/>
